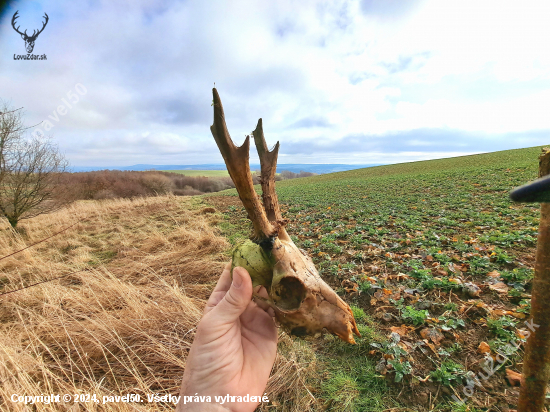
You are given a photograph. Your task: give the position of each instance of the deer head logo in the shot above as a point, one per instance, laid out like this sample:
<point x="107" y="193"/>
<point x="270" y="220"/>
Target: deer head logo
<point x="29" y="40"/>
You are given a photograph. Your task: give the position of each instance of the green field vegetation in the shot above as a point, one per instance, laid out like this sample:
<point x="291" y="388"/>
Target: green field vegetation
<point x="205" y="173"/>
<point x="427" y="241"/>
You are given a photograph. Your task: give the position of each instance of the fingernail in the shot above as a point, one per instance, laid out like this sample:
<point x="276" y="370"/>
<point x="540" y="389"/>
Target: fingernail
<point x="237" y="278"/>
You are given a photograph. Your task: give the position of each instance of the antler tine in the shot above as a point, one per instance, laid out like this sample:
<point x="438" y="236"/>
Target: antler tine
<point x="268" y="162"/>
<point x="44" y="24"/>
<point x="15" y="17"/>
<point x="236" y="161"/>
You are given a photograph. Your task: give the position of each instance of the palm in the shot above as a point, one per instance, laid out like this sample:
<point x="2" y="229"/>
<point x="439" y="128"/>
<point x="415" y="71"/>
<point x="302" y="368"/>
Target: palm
<point x="231" y="356"/>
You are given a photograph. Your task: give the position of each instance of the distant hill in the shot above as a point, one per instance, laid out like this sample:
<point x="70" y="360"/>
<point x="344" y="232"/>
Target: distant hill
<point x="296" y="168"/>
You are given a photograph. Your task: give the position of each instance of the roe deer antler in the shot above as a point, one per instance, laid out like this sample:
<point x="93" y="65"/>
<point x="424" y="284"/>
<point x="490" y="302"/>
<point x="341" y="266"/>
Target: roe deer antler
<point x="303" y="303"/>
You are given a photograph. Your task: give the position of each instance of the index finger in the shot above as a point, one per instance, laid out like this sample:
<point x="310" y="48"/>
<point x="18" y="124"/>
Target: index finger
<point x="223" y="285"/>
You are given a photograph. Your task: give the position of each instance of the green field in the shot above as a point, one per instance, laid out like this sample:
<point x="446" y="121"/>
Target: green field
<point x="206" y="173"/>
<point x="434" y="246"/>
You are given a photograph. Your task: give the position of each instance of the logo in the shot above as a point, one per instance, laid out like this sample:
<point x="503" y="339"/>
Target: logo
<point x="29" y="40"/>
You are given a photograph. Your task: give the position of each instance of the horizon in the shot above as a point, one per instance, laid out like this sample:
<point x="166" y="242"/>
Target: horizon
<point x="336" y="82"/>
<point x="319" y="168"/>
<point x="220" y="166"/>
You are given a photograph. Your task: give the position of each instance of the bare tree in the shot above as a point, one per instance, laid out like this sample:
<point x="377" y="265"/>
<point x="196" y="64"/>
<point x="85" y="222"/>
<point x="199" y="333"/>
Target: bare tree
<point x="30" y="167"/>
<point x="11" y="129"/>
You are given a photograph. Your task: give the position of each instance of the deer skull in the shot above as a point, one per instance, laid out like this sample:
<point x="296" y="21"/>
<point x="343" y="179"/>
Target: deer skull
<point x="303" y="303"/>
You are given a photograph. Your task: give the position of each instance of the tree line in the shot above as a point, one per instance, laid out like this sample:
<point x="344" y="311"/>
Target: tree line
<point x="111" y="184"/>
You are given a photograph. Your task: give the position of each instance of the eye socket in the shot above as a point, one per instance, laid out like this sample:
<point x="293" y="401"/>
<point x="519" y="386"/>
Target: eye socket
<point x="299" y="331"/>
<point x="288" y="293"/>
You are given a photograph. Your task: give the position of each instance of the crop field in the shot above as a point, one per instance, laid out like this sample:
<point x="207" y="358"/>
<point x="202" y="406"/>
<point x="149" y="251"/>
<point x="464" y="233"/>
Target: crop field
<point x="437" y="264"/>
<point x="205" y="173"/>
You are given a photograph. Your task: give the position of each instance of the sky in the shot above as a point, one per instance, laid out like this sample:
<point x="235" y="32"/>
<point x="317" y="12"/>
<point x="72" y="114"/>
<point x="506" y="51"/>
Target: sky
<point x="335" y="81"/>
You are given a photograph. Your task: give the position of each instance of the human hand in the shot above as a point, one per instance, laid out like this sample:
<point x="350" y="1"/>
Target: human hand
<point x="234" y="347"/>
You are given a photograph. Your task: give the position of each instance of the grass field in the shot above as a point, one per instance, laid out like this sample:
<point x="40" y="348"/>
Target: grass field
<point x="205" y="173"/>
<point x="438" y="259"/>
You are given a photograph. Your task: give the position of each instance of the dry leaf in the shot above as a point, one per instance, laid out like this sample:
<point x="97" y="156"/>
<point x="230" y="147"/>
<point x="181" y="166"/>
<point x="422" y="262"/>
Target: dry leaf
<point x="403" y="346"/>
<point x="514" y="378"/>
<point x="522" y="333"/>
<point x="350" y="286"/>
<point x="493" y="274"/>
<point x="471" y="289"/>
<point x="499" y="287"/>
<point x="483" y="348"/>
<point x="402" y="330"/>
<point x="433" y="334"/>
<point x="431" y="346"/>
<point x="500" y="312"/>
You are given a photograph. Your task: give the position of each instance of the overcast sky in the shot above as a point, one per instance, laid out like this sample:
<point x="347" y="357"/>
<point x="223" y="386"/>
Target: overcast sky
<point x="335" y="81"/>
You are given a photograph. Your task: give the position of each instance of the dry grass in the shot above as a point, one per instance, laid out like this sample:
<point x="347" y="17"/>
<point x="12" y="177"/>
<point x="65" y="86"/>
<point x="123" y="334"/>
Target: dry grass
<point x="126" y="323"/>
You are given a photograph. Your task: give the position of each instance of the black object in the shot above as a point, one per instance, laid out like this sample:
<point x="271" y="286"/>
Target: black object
<point x="535" y="191"/>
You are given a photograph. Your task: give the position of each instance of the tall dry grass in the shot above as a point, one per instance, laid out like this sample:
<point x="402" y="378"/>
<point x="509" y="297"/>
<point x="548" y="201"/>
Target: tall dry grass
<point x="125" y="323"/>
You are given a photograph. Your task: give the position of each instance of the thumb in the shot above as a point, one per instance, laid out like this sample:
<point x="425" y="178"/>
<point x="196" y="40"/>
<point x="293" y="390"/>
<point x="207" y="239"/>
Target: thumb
<point x="236" y="299"/>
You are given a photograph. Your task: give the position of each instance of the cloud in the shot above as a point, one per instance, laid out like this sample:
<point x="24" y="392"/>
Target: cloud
<point x="389" y="9"/>
<point x="333" y="80"/>
<point x="308" y="122"/>
<point x="421" y="142"/>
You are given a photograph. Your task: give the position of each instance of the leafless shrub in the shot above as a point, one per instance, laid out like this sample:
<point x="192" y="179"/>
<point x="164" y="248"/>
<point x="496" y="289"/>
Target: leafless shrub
<point x="287" y="174"/>
<point x="104" y="194"/>
<point x="110" y="184"/>
<point x="201" y="183"/>
<point x="187" y="191"/>
<point x="30" y="168"/>
<point x="157" y="183"/>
